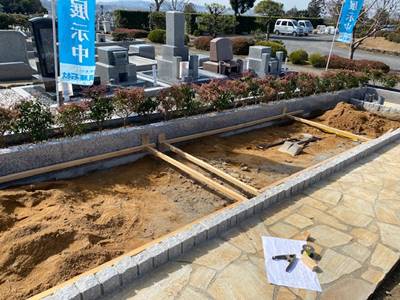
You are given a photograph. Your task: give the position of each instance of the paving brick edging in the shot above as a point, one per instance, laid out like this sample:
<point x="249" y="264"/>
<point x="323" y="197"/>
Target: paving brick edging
<point x="124" y="270"/>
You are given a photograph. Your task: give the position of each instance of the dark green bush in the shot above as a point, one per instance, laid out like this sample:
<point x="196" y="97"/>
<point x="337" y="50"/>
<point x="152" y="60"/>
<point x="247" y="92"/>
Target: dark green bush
<point x="157" y="36"/>
<point x="275" y="47"/>
<point x="7" y="20"/>
<point x="317" y="60"/>
<point x="298" y="57"/>
<point x="33" y="119"/>
<point x="157" y="20"/>
<point x="241" y="45"/>
<point x="393" y="36"/>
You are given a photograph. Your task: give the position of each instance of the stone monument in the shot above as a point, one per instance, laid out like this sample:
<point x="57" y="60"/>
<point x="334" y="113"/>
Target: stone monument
<point x="175" y="51"/>
<point x="221" y="58"/>
<point x="261" y="62"/>
<point x="43" y="36"/>
<point x="113" y="66"/>
<point x="14" y="63"/>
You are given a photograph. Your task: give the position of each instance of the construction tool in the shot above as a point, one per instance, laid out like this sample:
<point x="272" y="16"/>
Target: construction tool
<point x="308" y="256"/>
<point x="290" y="258"/>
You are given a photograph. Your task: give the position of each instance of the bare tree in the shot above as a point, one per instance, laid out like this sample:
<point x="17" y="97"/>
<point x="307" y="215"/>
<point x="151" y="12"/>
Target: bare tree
<point x="178" y="5"/>
<point x="373" y="18"/>
<point x="157" y="5"/>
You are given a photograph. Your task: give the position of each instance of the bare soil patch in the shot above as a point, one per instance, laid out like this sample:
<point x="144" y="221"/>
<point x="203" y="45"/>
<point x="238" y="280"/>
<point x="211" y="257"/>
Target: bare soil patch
<point x="378" y="43"/>
<point x="346" y="117"/>
<point x="52" y="231"/>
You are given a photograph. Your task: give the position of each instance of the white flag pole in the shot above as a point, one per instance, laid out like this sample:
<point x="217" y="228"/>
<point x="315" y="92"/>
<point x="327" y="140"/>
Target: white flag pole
<point x="334" y="37"/>
<point x="53" y="15"/>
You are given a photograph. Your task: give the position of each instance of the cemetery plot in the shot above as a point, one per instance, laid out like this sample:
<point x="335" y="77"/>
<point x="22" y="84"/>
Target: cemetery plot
<point x="50" y="232"/>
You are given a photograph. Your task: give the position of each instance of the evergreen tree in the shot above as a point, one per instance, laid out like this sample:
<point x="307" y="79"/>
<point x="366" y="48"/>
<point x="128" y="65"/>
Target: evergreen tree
<point x="241" y="6"/>
<point x="316" y="8"/>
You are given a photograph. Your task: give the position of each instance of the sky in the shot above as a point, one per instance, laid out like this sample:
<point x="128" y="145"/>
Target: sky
<point x="300" y="4"/>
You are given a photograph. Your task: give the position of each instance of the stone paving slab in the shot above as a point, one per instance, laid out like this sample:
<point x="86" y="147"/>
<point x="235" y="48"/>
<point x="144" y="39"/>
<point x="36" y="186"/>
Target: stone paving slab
<point x="354" y="217"/>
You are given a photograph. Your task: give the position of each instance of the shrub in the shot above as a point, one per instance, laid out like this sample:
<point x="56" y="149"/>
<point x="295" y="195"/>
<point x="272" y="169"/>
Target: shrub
<point x="317" y="60"/>
<point x="275" y="47"/>
<point x="241" y="45"/>
<point x="157" y="20"/>
<point x="307" y="84"/>
<point x="6" y="122"/>
<point x="157" y="36"/>
<point x="202" y="43"/>
<point x="338" y="62"/>
<point x="100" y="107"/>
<point x="216" y="94"/>
<point x="393" y="37"/>
<point x="179" y="97"/>
<point x="33" y="119"/>
<point x="71" y="118"/>
<point x="125" y="34"/>
<point x="148" y="106"/>
<point x="128" y="101"/>
<point x="298" y="57"/>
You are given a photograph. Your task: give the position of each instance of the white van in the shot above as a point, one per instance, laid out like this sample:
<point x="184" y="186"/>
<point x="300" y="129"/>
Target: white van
<point x="288" y="26"/>
<point x="307" y="26"/>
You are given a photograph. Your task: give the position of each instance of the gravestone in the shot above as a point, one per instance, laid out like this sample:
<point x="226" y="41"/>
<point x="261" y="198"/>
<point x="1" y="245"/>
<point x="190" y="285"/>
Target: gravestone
<point x="14" y="63"/>
<point x="106" y="26"/>
<point x="43" y="35"/>
<point x="113" y="66"/>
<point x="221" y="50"/>
<point x="221" y="58"/>
<point x="143" y="50"/>
<point x="175" y="51"/>
<point x="259" y="60"/>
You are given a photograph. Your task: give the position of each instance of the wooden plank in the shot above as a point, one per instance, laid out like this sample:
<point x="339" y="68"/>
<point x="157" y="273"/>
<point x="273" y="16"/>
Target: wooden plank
<point x="329" y="129"/>
<point x="198" y="176"/>
<point x="230" y="128"/>
<point x="70" y="164"/>
<point x="245" y="187"/>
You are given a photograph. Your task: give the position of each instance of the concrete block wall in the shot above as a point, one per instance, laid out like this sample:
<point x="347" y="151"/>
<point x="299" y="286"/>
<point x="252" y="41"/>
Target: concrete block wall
<point x="126" y="269"/>
<point x="391" y="113"/>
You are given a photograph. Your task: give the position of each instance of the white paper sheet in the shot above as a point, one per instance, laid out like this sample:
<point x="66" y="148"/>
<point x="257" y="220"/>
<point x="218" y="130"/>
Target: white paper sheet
<point x="300" y="276"/>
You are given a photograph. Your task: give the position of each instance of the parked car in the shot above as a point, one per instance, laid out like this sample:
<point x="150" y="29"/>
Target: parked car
<point x="307" y="26"/>
<point x="321" y="29"/>
<point x="288" y="26"/>
<point x="389" y="28"/>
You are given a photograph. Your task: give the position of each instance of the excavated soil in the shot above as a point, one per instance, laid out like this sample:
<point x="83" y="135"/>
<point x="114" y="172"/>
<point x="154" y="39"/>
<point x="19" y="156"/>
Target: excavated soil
<point x="50" y="232"/>
<point x="346" y="117"/>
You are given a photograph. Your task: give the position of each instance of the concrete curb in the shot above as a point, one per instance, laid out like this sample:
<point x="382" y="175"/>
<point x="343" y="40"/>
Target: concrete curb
<point x="391" y="113"/>
<point x="127" y="268"/>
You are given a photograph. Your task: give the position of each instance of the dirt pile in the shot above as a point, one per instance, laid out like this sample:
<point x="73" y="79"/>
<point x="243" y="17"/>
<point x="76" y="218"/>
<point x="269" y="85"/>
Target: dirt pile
<point x="50" y="232"/>
<point x="347" y="117"/>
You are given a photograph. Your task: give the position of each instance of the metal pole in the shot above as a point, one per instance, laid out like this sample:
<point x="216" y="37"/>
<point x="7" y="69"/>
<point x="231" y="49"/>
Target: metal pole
<point x="53" y="15"/>
<point x="334" y="37"/>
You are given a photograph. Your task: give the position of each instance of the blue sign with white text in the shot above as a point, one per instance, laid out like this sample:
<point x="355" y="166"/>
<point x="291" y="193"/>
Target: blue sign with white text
<point x="348" y="19"/>
<point x="76" y="38"/>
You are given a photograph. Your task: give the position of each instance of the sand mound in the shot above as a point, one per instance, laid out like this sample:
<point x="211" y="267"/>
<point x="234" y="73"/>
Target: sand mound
<point x="347" y="117"/>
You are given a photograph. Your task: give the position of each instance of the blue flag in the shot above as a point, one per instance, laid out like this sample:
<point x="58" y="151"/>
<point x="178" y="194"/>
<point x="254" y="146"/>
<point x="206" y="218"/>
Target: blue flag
<point x="350" y="13"/>
<point x="76" y="37"/>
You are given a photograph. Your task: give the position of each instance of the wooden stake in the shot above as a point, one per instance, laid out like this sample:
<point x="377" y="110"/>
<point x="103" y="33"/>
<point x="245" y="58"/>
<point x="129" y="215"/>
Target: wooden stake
<point x="198" y="176"/>
<point x="70" y="164"/>
<point x="247" y="188"/>
<point x="230" y="128"/>
<point x="329" y="129"/>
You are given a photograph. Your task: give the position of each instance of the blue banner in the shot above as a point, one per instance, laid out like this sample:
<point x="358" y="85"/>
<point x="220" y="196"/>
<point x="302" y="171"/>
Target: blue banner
<point x="348" y="19"/>
<point x="76" y="38"/>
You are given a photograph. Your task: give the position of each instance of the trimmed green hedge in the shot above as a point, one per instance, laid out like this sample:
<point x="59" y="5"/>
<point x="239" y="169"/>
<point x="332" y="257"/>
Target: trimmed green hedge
<point x="246" y="24"/>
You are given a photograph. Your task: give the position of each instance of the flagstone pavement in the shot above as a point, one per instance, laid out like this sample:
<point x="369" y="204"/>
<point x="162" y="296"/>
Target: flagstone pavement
<point x="354" y="217"/>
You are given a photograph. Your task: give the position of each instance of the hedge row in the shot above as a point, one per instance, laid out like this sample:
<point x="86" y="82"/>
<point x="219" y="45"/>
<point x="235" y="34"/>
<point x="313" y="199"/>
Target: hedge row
<point x="35" y="120"/>
<point x="8" y="20"/>
<point x="246" y="24"/>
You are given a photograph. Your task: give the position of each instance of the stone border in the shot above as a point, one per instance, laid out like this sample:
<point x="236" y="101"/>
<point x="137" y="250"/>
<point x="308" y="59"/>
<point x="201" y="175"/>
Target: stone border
<point x="122" y="271"/>
<point x="31" y="156"/>
<point x="391" y="113"/>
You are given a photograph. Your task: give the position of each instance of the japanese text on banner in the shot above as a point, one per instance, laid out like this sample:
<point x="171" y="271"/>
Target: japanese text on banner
<point x="76" y="36"/>
<point x="350" y="13"/>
